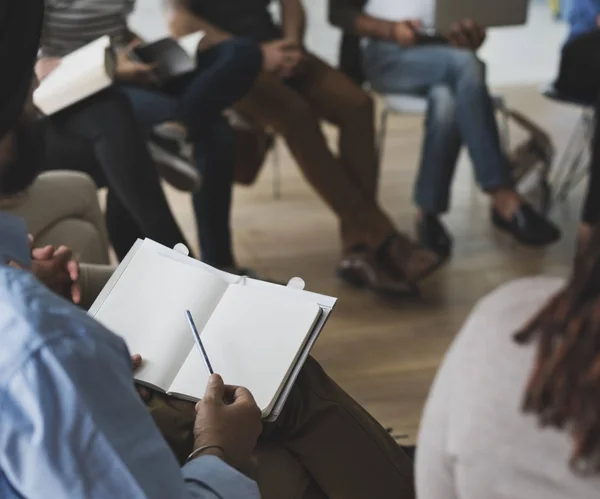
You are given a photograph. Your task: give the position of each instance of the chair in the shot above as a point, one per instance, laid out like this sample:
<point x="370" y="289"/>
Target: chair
<point x="573" y="165"/>
<point x="405" y="104"/>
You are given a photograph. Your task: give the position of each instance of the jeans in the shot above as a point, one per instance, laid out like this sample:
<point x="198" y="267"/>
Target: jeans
<point x="100" y="136"/>
<point x="225" y="73"/>
<point x="460" y="111"/>
<point x="579" y="78"/>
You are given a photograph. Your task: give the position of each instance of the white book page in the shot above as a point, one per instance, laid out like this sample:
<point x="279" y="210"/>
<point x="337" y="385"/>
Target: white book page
<point x="252" y="339"/>
<point x="190" y="43"/>
<point x="147" y="308"/>
<point x="79" y="75"/>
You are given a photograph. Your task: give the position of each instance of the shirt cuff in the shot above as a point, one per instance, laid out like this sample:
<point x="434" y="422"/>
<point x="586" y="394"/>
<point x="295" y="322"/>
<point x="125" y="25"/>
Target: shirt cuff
<point x="213" y="473"/>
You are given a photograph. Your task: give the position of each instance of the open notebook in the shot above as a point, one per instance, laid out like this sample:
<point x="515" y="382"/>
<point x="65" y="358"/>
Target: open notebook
<point x="79" y="75"/>
<point x="256" y="334"/>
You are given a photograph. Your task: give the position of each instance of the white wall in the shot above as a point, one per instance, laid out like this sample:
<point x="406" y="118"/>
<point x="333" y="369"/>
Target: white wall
<point x="520" y="55"/>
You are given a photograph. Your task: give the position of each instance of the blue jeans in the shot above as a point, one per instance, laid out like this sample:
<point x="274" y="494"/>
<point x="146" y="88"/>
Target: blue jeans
<point x="224" y="75"/>
<point x="460" y="111"/>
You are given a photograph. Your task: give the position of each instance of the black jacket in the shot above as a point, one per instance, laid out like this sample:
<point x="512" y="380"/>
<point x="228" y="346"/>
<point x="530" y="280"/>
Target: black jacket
<point x="343" y="14"/>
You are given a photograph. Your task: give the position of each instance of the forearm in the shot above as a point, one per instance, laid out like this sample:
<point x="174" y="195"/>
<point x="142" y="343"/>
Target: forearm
<point x="349" y="17"/>
<point x="373" y="27"/>
<point x="181" y="21"/>
<point x="293" y="20"/>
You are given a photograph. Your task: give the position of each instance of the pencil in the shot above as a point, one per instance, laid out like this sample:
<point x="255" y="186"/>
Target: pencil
<point x="199" y="343"/>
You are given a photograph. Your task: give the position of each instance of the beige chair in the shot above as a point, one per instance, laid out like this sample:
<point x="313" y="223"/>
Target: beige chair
<point x="61" y="208"/>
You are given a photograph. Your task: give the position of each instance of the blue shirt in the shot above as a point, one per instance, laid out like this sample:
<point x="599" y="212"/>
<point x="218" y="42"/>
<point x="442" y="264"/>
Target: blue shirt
<point x="582" y="17"/>
<point x="71" y="422"/>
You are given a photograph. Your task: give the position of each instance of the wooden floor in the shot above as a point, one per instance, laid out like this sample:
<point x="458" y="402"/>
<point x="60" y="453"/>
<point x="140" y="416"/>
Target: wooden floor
<point x="385" y="353"/>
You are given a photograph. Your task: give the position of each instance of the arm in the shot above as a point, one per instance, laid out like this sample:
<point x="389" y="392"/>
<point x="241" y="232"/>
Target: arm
<point x="293" y="20"/>
<point x="434" y="474"/>
<point x="83" y="435"/>
<point x="348" y="15"/>
<point x="182" y="21"/>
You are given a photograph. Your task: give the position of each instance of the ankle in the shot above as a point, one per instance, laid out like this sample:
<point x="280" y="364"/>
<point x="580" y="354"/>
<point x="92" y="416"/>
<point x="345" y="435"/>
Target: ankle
<point x="506" y="202"/>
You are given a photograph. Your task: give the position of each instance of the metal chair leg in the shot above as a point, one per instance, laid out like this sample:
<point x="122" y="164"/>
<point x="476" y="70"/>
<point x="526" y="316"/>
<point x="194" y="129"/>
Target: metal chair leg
<point x="574" y="159"/>
<point x="276" y="170"/>
<point x="382" y="134"/>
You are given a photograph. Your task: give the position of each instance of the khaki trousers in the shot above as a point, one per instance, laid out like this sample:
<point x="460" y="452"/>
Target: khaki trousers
<point x="347" y="182"/>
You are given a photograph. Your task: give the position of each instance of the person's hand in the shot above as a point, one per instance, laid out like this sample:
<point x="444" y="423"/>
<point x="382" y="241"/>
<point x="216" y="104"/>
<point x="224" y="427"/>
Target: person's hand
<point x="228" y="417"/>
<point x="131" y="71"/>
<point x="57" y="270"/>
<point x="405" y="32"/>
<point x="282" y="58"/>
<point x="45" y="66"/>
<point x="467" y="34"/>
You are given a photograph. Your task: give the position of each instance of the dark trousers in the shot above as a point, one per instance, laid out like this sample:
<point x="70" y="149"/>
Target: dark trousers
<point x="101" y="137"/>
<point x="579" y="77"/>
<point x="225" y="74"/>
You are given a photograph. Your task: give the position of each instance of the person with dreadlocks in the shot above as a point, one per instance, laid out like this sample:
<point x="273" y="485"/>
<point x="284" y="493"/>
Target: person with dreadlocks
<point x="515" y="409"/>
<point x="579" y="79"/>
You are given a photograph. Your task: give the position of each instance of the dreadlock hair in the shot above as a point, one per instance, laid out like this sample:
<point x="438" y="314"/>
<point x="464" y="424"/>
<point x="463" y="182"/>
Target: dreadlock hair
<point x="564" y="386"/>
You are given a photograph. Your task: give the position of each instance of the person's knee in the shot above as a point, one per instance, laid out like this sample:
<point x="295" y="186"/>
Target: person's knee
<point x="466" y="64"/>
<point x="362" y="106"/>
<point x="244" y="53"/>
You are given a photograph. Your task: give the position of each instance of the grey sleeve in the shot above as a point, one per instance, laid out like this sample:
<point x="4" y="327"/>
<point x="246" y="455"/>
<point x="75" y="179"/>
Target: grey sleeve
<point x="434" y="471"/>
<point x="210" y="478"/>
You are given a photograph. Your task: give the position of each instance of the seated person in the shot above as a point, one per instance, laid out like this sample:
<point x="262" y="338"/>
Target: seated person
<point x="579" y="78"/>
<point x="294" y="92"/>
<point x="67" y="431"/>
<point x="117" y="122"/>
<point x="73" y="424"/>
<point x="514" y="411"/>
<point x="460" y="112"/>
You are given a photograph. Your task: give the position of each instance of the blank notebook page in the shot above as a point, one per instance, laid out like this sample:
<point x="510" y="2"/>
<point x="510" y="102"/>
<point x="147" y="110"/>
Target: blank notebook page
<point x="253" y="339"/>
<point x="147" y="308"/>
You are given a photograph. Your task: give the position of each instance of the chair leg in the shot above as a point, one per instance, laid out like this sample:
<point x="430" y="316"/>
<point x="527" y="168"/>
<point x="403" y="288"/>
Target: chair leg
<point x="276" y="170"/>
<point x="504" y="124"/>
<point x="382" y="134"/>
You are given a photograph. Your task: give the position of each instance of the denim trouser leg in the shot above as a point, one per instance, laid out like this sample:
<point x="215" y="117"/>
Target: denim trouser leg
<point x="417" y="70"/>
<point x="441" y="148"/>
<point x="225" y="73"/>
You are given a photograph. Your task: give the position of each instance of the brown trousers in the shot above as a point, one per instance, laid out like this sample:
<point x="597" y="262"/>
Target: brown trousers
<point x="323" y="446"/>
<point x="347" y="182"/>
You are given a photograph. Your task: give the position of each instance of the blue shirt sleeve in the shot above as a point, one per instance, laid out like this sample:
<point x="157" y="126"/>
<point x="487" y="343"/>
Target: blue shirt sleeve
<point x="74" y="426"/>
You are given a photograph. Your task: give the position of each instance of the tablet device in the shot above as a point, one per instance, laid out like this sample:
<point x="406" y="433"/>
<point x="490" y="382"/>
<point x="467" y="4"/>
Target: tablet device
<point x="486" y="13"/>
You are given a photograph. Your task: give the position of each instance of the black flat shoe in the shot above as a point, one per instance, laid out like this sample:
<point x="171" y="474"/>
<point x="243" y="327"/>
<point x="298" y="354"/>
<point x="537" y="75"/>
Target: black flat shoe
<point x="528" y="227"/>
<point x="432" y="235"/>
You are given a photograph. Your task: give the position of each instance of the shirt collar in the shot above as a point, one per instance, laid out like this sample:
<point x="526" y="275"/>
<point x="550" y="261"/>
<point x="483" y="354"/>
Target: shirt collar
<point x="14" y="242"/>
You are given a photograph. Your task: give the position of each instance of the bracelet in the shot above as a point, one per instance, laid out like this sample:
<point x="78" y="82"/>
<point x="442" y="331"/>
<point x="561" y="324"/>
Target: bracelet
<point x="200" y="450"/>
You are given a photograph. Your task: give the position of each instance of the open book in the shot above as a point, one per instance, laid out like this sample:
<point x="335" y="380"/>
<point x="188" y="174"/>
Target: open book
<point x="256" y="334"/>
<point x="80" y="74"/>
